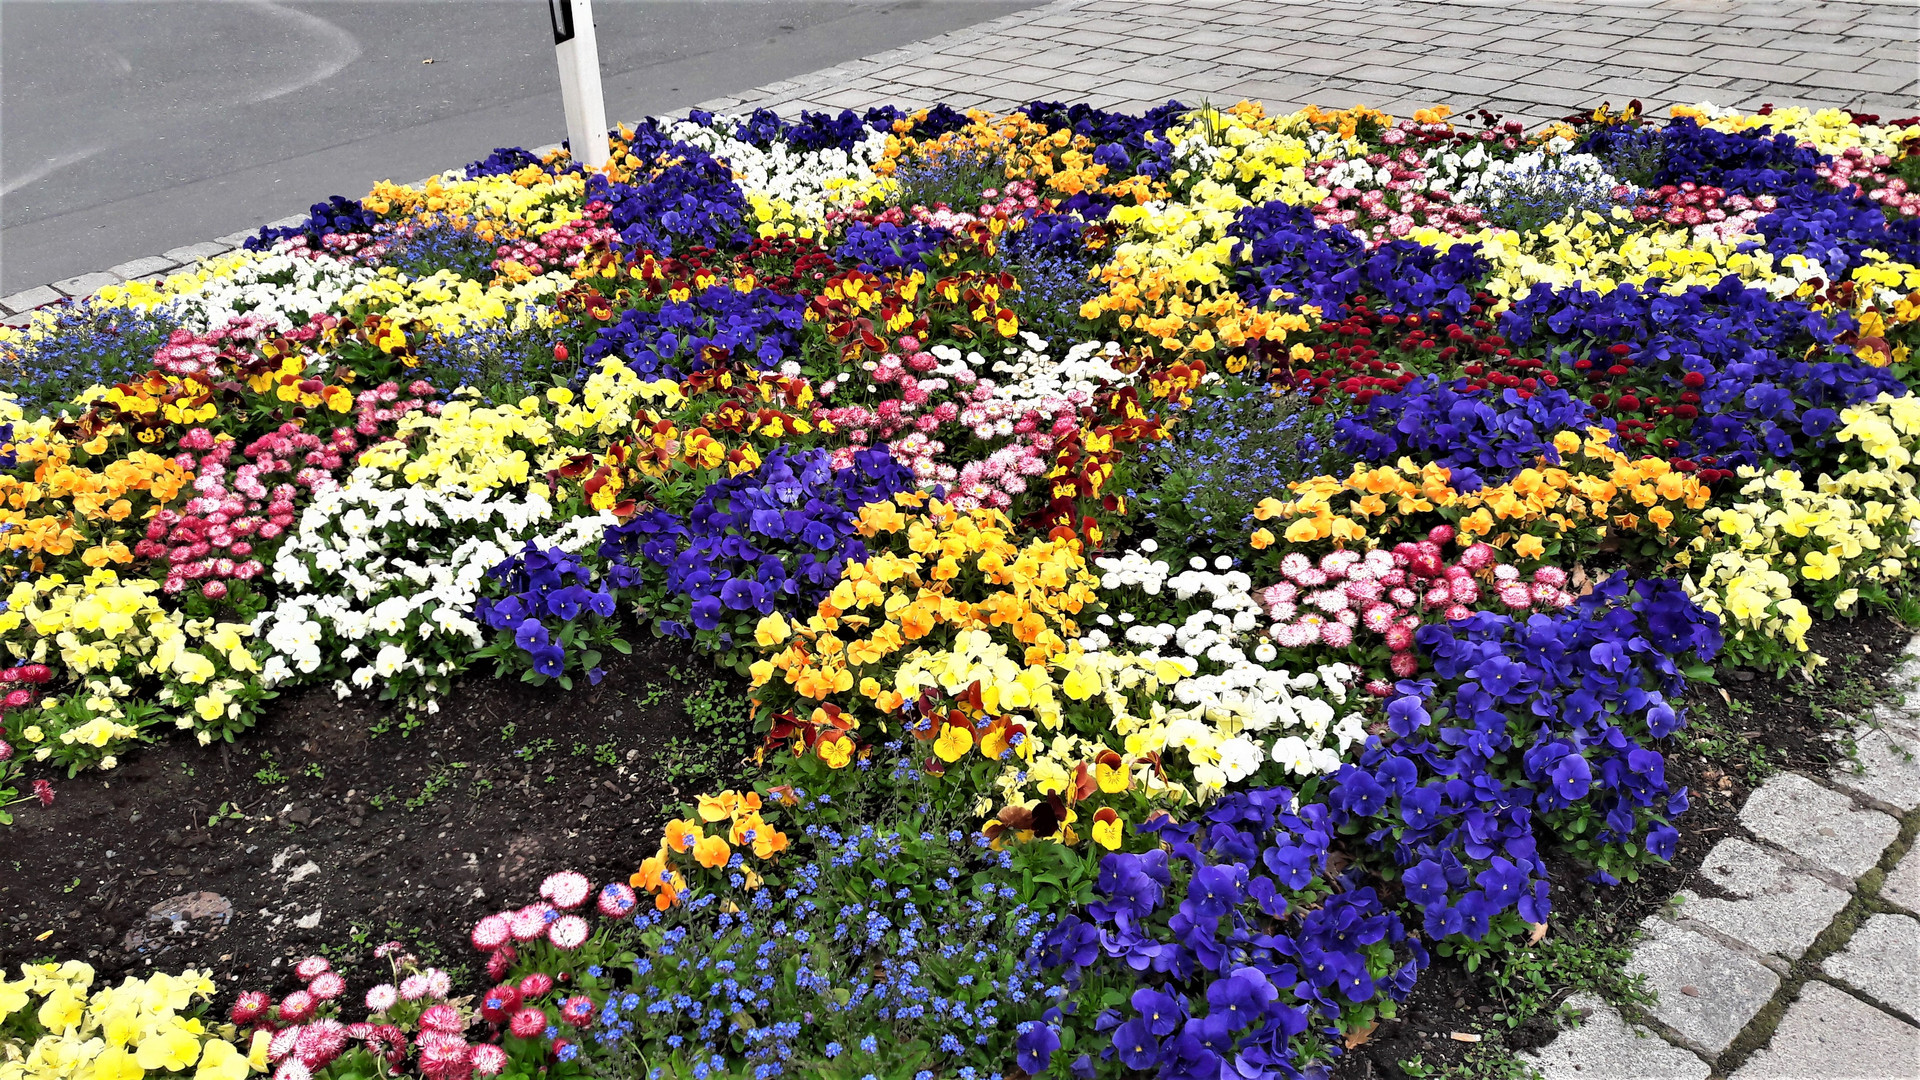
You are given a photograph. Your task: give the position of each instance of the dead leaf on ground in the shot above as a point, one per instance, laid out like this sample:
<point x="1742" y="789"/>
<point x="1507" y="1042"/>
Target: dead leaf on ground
<point x="1464" y="1036"/>
<point x="1539" y="932"/>
<point x="1361" y="1034"/>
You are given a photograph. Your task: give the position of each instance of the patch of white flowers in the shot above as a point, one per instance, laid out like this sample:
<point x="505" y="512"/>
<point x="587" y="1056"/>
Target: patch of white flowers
<point x="1222" y="713"/>
<point x="1535" y="174"/>
<point x="803" y="183"/>
<point x="1029" y="373"/>
<point x="385" y="579"/>
<point x="279" y="289"/>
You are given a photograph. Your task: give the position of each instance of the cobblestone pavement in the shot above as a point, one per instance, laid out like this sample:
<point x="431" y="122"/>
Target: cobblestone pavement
<point x="1797" y="956"/>
<point x="1532" y="60"/>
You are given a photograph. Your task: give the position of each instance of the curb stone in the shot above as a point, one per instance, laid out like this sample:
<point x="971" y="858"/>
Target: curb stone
<point x="1775" y="909"/>
<point x="1707" y="990"/>
<point x="1827" y="1033"/>
<point x="1879" y="961"/>
<point x="1818" y="824"/>
<point x="1604" y="1047"/>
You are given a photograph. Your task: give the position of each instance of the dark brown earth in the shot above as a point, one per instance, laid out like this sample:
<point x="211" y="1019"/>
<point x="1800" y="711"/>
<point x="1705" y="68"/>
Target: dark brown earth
<point x="1733" y="741"/>
<point x="330" y="827"/>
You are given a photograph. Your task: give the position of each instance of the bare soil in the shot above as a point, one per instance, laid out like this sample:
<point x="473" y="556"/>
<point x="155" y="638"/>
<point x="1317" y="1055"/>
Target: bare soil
<point x="334" y="825"/>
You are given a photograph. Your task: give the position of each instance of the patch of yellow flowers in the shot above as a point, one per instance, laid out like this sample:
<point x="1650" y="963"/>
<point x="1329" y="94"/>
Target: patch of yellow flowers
<point x="54" y="1025"/>
<point x="478" y="448"/>
<point x="445" y="303"/>
<point x="1786" y="548"/>
<point x="1604" y="252"/>
<point x="101" y="632"/>
<point x="1170" y="275"/>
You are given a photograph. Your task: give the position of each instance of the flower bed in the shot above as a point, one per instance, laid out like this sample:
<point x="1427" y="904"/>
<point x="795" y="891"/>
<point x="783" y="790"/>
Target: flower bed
<point x="1192" y="569"/>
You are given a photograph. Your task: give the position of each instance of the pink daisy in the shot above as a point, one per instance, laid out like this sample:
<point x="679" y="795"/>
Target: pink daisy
<point x="1550" y="575"/>
<point x="443" y="1059"/>
<point x="1336" y="635"/>
<point x="501" y="962"/>
<point x="1379" y="617"/>
<point x="568" y="932"/>
<point x="249" y="1006"/>
<point x="617" y="900"/>
<point x="529" y="922"/>
<point x="1337" y="562"/>
<point x="1403" y="597"/>
<point x="283" y="1042"/>
<point x="413" y="987"/>
<point x="568" y="889"/>
<point x="1457" y="612"/>
<point x="527" y="1023"/>
<point x="381" y="998"/>
<point x="443" y="1018"/>
<point x="320" y="1042"/>
<point x="1293" y="635"/>
<point x="1506" y="572"/>
<point x="327" y="985"/>
<point x="1404" y="664"/>
<point x="535" y="984"/>
<point x="292" y="1069"/>
<point x="577" y="1010"/>
<point x="310" y="967"/>
<point x="492" y="932"/>
<point x="1362" y="590"/>
<point x="499" y="1003"/>
<point x="1294" y="564"/>
<point x="296" y="1007"/>
<point x="1329" y="600"/>
<point x="489" y="1060"/>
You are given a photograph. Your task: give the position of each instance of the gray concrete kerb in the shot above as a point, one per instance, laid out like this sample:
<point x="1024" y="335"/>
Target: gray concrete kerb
<point x="1708" y="990"/>
<point x="1605" y="1047"/>
<point x="1882" y="961"/>
<point x="1831" y="1034"/>
<point x="1818" y="824"/>
<point x="1771" y="906"/>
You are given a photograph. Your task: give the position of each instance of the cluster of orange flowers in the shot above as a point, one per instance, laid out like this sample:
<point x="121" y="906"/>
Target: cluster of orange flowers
<point x="1595" y="485"/>
<point x="1057" y="158"/>
<point x="742" y="828"/>
<point x="68" y="507"/>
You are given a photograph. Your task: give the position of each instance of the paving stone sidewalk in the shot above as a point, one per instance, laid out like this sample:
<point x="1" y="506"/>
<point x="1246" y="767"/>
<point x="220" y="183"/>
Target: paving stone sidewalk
<point x="1532" y="60"/>
<point x="1798" y="954"/>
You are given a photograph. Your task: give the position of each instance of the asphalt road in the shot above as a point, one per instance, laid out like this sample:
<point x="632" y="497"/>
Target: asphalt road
<point x="128" y="128"/>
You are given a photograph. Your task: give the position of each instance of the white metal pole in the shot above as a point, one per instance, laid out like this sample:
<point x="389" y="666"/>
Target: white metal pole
<point x="579" y="55"/>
